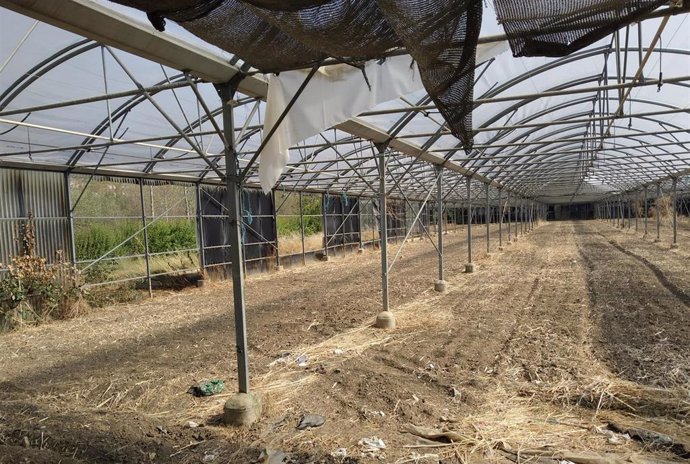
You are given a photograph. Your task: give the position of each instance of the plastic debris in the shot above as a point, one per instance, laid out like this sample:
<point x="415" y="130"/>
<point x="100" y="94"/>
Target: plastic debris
<point x="208" y="388"/>
<point x="210" y="457"/>
<point x="270" y="456"/>
<point x="339" y="453"/>
<point x="614" y="438"/>
<point x="191" y="425"/>
<point x="371" y="445"/>
<point x="302" y="360"/>
<point x="308" y="421"/>
<point x="338" y="352"/>
<point x="282" y="359"/>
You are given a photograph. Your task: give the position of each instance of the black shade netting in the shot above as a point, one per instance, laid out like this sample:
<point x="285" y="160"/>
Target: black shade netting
<point x="560" y="27"/>
<point x="442" y="36"/>
<point x="273" y="36"/>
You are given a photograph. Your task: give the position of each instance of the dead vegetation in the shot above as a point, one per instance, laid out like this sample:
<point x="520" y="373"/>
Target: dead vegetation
<point x="508" y="366"/>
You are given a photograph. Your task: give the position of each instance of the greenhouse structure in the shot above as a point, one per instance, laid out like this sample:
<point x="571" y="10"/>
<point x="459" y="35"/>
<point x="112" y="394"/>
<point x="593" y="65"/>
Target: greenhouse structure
<point x="238" y="146"/>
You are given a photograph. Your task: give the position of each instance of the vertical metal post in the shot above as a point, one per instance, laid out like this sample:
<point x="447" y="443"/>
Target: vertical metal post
<point x="383" y="225"/>
<point x="324" y="219"/>
<point x="487" y="218"/>
<point x="469" y="266"/>
<point x="200" y="229"/>
<point x="510" y="218"/>
<point x="439" y="219"/>
<point x="646" y="209"/>
<point x="637" y="204"/>
<point x="674" y="205"/>
<point x="658" y="212"/>
<point x="342" y="221"/>
<point x="275" y="229"/>
<point x="359" y="221"/>
<point x="70" y="221"/>
<point x="500" y="219"/>
<point x="234" y="190"/>
<point x="301" y="229"/>
<point x="146" y="237"/>
<point x="517" y="218"/>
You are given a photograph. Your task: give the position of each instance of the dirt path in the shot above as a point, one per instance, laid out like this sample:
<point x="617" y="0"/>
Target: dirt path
<point x="641" y="305"/>
<point x="504" y="357"/>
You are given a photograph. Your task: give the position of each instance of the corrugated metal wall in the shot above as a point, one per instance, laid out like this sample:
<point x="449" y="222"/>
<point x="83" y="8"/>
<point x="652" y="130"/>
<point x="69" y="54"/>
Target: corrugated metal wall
<point x="41" y="194"/>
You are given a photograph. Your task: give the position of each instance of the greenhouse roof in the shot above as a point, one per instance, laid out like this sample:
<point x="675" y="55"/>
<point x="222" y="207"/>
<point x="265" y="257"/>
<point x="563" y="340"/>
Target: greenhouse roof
<point x="92" y="87"/>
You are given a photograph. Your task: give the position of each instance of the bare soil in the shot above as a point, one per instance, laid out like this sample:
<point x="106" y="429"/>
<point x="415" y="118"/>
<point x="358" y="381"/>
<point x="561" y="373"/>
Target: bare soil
<point x="572" y="327"/>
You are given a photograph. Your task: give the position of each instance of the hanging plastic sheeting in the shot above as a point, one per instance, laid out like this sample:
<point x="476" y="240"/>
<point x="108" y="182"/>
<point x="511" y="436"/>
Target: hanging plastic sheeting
<point x="440" y="34"/>
<point x="558" y="28"/>
<point x="334" y="95"/>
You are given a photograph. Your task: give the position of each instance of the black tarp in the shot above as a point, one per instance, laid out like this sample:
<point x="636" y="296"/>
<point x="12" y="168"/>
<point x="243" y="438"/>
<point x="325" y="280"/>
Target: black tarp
<point x="341" y="210"/>
<point x="258" y="228"/>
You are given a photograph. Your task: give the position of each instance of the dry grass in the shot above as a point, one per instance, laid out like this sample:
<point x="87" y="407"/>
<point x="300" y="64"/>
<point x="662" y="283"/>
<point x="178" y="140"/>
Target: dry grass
<point x="292" y="244"/>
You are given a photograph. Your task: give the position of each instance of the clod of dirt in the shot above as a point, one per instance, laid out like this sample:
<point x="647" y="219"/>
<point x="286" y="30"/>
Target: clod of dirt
<point x="308" y="421"/>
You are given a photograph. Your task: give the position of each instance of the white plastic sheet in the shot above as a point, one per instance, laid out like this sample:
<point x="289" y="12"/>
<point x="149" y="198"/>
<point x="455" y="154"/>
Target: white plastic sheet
<point x="334" y="95"/>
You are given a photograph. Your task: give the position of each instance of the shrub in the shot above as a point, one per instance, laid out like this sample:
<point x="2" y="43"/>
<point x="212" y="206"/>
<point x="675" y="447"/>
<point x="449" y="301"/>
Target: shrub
<point x="172" y="236"/>
<point x="96" y="239"/>
<point x="33" y="291"/>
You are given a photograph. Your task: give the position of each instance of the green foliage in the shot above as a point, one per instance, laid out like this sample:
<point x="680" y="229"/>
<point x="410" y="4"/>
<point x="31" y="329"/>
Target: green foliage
<point x="96" y="239"/>
<point x="311" y="206"/>
<point x="172" y="236"/>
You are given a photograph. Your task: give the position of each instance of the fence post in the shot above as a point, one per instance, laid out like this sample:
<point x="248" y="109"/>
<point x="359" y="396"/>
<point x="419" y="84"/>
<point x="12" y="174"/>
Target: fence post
<point x="385" y="318"/>
<point x="301" y="229"/>
<point x="440" y="284"/>
<point x="70" y="222"/>
<point x="674" y="244"/>
<point x="469" y="267"/>
<point x="200" y="229"/>
<point x="658" y="213"/>
<point x="146" y="237"/>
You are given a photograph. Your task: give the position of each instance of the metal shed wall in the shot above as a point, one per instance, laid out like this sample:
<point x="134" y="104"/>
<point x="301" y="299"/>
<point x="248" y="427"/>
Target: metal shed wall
<point x="41" y="194"/>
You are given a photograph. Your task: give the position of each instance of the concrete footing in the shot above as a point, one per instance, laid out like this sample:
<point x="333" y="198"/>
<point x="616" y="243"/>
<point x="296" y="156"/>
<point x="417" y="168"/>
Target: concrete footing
<point x="279" y="268"/>
<point x="242" y="410"/>
<point x="360" y="250"/>
<point x="674" y="245"/>
<point x="500" y="248"/>
<point x="509" y="243"/>
<point x="469" y="268"/>
<point x="657" y="240"/>
<point x="440" y="286"/>
<point x="385" y="320"/>
<point x="200" y="283"/>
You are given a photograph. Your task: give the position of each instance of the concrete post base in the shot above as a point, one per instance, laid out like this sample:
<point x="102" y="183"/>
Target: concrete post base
<point x="385" y="320"/>
<point x="509" y="243"/>
<point x="279" y="268"/>
<point x="657" y="240"/>
<point x="325" y="258"/>
<point x="515" y="239"/>
<point x="200" y="283"/>
<point x="440" y="286"/>
<point x="360" y="250"/>
<point x="500" y="248"/>
<point x="242" y="410"/>
<point x="469" y="268"/>
<point x="674" y="245"/>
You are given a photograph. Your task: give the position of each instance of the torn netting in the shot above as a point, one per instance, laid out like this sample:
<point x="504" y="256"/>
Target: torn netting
<point x="442" y="36"/>
<point x="273" y="36"/>
<point x="560" y="27"/>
